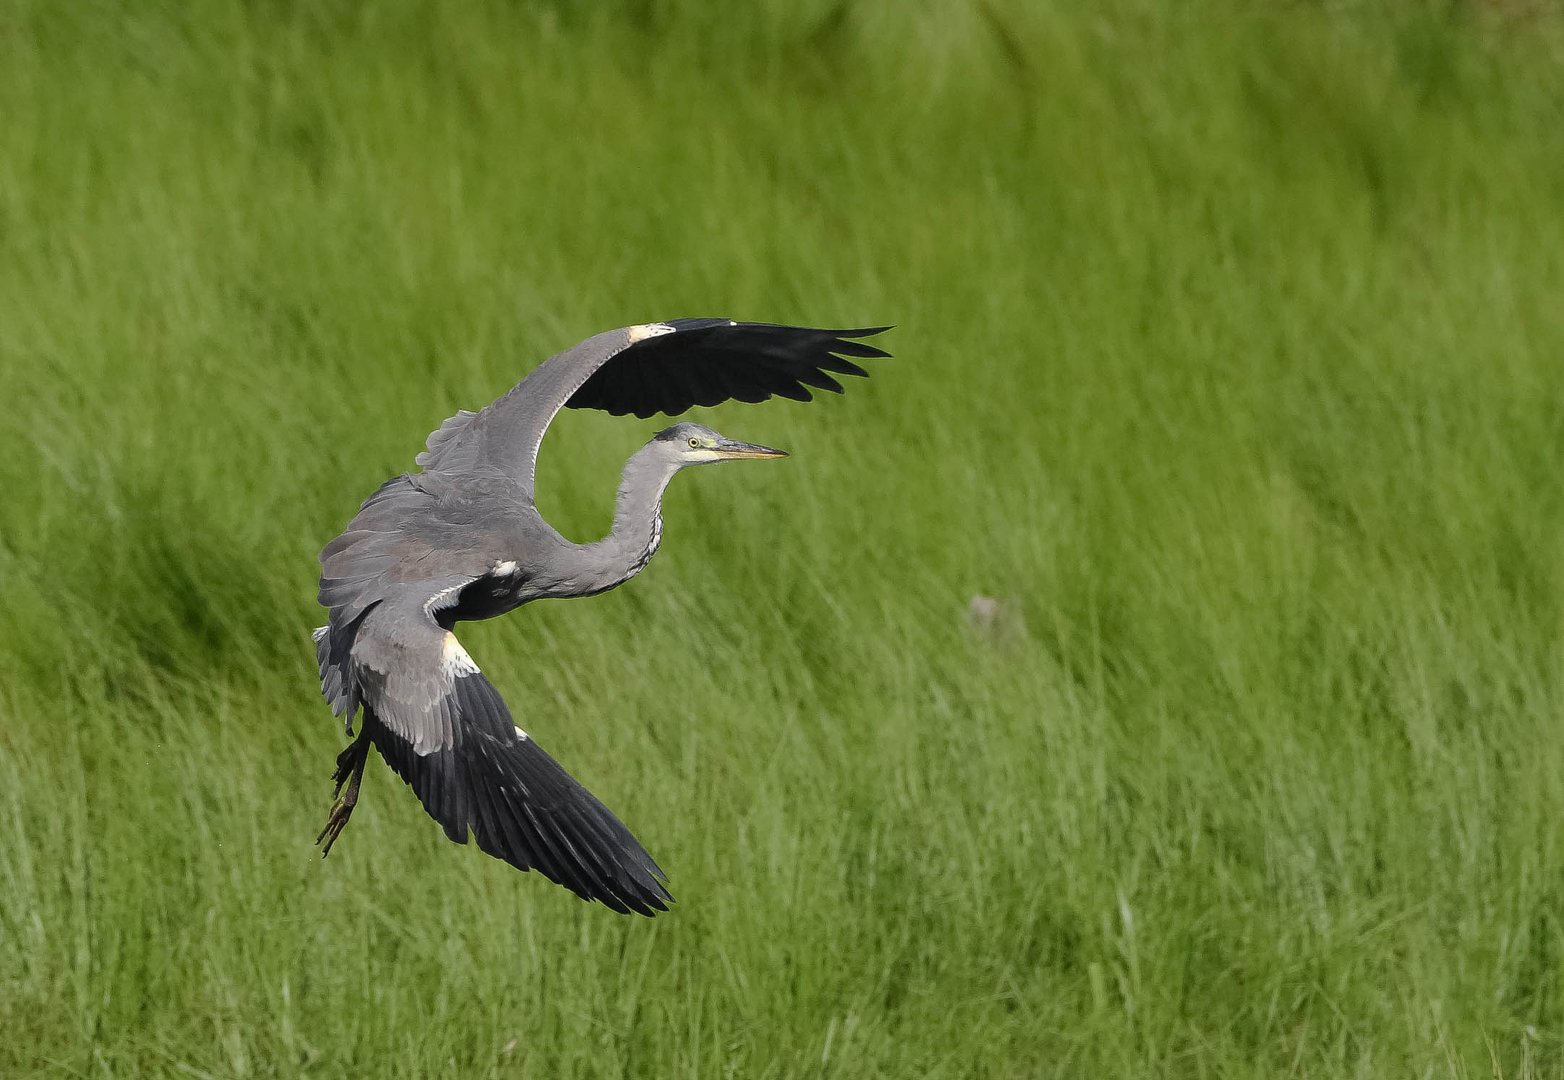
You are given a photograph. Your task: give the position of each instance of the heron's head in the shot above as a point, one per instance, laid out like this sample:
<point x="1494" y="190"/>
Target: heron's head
<point x="696" y="444"/>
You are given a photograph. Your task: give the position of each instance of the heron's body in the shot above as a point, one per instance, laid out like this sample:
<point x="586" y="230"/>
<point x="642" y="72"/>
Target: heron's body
<point x="488" y="529"/>
<point x="462" y="540"/>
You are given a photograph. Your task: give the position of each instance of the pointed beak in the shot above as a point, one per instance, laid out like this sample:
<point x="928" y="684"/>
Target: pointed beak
<point x="736" y="450"/>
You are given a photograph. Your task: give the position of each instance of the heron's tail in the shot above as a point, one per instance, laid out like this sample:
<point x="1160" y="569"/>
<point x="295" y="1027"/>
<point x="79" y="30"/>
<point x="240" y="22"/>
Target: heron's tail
<point x="333" y="654"/>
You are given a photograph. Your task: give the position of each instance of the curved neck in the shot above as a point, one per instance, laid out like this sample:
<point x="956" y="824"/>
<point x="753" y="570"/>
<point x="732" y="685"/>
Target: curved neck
<point x="637" y="529"/>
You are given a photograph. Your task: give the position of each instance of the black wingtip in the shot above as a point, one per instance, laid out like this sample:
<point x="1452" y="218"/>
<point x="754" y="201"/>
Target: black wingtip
<point x="712" y="360"/>
<point x="847" y="344"/>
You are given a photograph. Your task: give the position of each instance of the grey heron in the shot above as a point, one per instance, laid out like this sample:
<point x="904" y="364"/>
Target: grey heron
<point x="462" y="539"/>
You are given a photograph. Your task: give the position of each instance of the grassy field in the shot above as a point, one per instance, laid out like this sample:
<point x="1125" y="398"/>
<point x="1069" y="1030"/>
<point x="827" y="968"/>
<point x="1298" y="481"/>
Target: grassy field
<point x="1230" y="358"/>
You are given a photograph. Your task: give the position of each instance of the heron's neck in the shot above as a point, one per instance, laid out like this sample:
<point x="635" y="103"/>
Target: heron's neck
<point x="638" y="523"/>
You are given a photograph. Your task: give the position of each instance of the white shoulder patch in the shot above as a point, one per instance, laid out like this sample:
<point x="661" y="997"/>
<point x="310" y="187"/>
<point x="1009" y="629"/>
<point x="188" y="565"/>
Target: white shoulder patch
<point x="504" y="569"/>
<point x="648" y="330"/>
<point x="319" y="632"/>
<point x="437" y="601"/>
<point x="454" y="660"/>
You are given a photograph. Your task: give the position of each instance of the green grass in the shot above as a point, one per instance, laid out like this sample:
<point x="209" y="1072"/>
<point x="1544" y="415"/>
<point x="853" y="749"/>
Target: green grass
<point x="1230" y="356"/>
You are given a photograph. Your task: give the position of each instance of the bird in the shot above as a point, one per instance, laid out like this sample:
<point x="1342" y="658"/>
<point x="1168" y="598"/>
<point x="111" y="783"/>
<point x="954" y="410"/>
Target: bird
<point x="462" y="539"/>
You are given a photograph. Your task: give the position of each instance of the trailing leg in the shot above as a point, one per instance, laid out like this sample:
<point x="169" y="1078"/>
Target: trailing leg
<point x="350" y="771"/>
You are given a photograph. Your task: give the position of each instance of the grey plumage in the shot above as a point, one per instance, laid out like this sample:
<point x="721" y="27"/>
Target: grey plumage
<point x="463" y="540"/>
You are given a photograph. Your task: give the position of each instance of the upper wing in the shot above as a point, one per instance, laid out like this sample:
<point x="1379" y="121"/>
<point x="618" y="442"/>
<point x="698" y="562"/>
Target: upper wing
<point x="444" y="729"/>
<point x="656" y="367"/>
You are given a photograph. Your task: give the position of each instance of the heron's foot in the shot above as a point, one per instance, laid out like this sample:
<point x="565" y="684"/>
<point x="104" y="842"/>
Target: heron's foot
<point x="350" y="771"/>
<point x="340" y="812"/>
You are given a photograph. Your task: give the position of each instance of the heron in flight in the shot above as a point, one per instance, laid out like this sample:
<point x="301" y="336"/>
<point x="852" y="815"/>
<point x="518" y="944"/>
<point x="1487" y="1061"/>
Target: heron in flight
<point x="462" y="539"/>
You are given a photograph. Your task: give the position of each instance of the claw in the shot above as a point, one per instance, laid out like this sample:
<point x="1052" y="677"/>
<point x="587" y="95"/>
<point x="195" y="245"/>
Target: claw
<point x="334" y="826"/>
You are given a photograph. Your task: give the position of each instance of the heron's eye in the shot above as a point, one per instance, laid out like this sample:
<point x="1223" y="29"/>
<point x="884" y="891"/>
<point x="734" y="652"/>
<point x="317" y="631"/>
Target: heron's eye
<point x="695" y="443"/>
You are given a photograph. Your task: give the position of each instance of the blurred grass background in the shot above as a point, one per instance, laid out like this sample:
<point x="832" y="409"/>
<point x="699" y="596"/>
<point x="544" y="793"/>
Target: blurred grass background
<point x="1228" y="358"/>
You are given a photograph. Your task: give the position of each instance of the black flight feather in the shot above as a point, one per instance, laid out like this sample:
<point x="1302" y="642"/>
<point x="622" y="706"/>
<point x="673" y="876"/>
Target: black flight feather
<point x="521" y="806"/>
<point x="709" y="361"/>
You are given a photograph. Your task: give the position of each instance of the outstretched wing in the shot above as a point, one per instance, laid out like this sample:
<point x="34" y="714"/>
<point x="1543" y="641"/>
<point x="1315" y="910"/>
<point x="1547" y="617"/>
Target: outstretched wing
<point x="444" y="729"/>
<point x="656" y="367"/>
